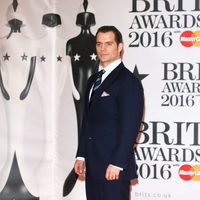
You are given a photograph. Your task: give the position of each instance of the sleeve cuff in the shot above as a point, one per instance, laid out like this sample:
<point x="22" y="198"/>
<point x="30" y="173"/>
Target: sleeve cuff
<point x="121" y="169"/>
<point x="80" y="158"/>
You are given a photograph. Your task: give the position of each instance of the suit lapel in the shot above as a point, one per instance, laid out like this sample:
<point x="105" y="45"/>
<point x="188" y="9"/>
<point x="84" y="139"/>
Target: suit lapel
<point x="90" y="84"/>
<point x="109" y="79"/>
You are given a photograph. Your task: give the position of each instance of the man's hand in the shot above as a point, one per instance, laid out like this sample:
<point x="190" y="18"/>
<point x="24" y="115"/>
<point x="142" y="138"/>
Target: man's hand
<point x="112" y="173"/>
<point x="79" y="167"/>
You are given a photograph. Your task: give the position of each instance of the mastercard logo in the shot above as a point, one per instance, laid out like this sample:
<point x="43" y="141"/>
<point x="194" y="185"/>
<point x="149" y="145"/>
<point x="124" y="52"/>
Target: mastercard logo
<point x="188" y="172"/>
<point x="190" y="38"/>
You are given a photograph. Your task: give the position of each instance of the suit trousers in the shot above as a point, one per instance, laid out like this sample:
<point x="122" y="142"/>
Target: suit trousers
<point x="107" y="190"/>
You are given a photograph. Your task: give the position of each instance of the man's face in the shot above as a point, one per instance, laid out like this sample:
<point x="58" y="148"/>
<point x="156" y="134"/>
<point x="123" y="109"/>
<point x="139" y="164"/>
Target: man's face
<point x="107" y="48"/>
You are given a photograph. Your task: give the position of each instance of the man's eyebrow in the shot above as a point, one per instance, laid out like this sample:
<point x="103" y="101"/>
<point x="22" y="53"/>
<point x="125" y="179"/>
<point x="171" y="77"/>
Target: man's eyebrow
<point x="104" y="42"/>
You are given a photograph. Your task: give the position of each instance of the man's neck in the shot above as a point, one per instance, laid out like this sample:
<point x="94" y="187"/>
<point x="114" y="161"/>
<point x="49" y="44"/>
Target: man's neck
<point x="104" y="65"/>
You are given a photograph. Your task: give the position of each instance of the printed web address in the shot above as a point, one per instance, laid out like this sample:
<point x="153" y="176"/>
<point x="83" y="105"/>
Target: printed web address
<point x="153" y="195"/>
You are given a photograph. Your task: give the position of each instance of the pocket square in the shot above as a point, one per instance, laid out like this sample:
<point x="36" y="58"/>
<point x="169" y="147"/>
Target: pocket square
<point x="105" y="94"/>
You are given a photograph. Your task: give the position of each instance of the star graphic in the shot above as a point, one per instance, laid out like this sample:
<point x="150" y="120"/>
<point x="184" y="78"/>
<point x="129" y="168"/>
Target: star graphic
<point x="140" y="77"/>
<point x="77" y="57"/>
<point x="6" y="57"/>
<point x="93" y="56"/>
<point x="59" y="58"/>
<point x="24" y="57"/>
<point x="43" y="59"/>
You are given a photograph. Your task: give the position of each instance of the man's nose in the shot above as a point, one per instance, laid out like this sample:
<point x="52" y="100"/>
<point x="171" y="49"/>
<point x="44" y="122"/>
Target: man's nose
<point x="102" y="47"/>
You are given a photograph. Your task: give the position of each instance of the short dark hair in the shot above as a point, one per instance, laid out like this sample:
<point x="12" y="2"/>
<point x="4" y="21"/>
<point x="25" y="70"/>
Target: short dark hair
<point x="117" y="33"/>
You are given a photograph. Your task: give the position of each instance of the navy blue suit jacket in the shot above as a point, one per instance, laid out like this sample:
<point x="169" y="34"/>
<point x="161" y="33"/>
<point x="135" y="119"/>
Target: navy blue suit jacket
<point x="111" y="124"/>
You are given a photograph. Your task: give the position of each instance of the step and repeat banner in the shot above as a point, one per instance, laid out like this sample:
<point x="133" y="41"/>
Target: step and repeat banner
<point x="47" y="54"/>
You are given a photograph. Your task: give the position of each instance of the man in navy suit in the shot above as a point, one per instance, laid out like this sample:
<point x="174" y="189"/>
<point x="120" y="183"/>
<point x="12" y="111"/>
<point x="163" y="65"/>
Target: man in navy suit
<point x="111" y="123"/>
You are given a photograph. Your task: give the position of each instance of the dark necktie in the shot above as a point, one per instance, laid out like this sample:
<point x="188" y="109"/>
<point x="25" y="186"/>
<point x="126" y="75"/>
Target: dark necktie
<point x="97" y="82"/>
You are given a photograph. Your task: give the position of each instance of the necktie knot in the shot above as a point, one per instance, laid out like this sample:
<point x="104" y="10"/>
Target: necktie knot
<point x="100" y="73"/>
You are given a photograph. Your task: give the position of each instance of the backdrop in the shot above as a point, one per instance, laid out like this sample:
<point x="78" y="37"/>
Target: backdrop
<point x="47" y="53"/>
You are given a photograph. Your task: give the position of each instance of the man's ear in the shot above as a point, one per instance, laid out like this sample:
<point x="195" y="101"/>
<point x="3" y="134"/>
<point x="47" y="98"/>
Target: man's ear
<point x="120" y="46"/>
<point x="121" y="49"/>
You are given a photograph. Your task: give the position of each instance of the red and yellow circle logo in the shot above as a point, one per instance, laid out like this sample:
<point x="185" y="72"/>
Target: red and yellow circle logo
<point x="190" y="38"/>
<point x="188" y="172"/>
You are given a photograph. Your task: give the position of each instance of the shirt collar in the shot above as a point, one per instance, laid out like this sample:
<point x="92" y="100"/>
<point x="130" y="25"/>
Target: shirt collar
<point x="109" y="68"/>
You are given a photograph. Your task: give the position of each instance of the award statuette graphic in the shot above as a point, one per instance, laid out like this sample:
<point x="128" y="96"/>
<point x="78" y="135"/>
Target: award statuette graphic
<point x="15" y="188"/>
<point x="82" y="53"/>
<point x="15" y="25"/>
<point x="17" y="67"/>
<point x="55" y="89"/>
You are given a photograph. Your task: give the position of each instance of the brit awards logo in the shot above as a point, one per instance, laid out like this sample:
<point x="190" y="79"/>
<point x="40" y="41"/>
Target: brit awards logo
<point x="160" y="23"/>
